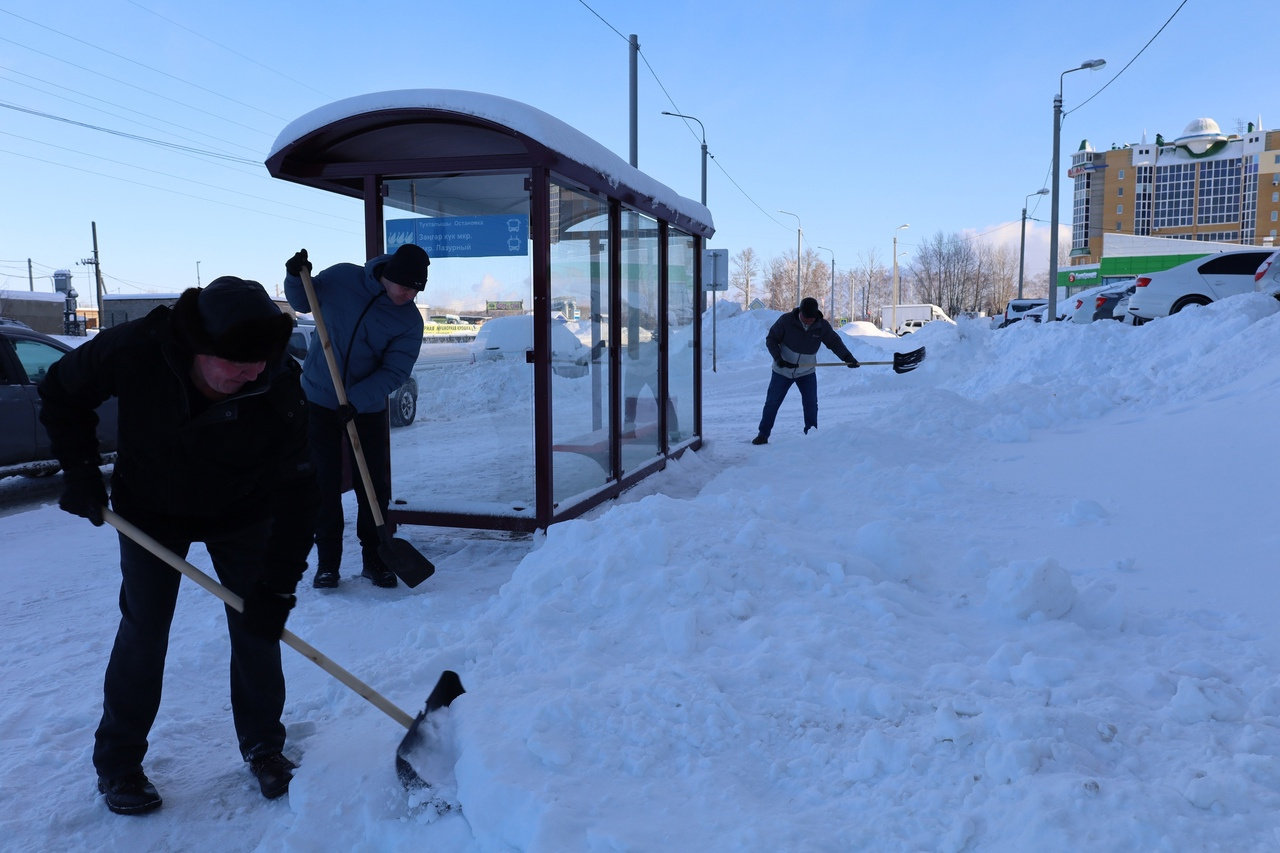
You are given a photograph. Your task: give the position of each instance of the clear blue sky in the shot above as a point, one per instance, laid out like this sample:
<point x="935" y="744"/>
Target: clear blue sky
<point x="856" y="116"/>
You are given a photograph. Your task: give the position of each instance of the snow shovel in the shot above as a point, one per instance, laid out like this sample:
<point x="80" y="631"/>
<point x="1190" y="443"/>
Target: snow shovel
<point x="398" y="555"/>
<point x="448" y="688"/>
<point x="903" y="362"/>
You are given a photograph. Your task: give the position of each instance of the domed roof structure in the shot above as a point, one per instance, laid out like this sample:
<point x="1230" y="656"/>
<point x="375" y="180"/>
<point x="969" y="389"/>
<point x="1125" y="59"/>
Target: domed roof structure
<point x="1200" y="135"/>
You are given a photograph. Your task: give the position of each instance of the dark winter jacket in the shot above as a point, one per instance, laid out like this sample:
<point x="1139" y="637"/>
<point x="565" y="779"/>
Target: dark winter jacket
<point x="788" y="340"/>
<point x="188" y="467"/>
<point x="375" y="341"/>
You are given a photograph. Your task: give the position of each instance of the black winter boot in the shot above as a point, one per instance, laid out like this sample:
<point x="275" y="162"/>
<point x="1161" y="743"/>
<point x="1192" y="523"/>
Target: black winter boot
<point x="376" y="570"/>
<point x="131" y="793"/>
<point x="274" y="773"/>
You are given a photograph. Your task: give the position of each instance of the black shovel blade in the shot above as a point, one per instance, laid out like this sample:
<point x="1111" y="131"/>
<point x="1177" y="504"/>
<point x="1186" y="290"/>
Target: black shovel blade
<point x="448" y="688"/>
<point x="905" y="362"/>
<point x="405" y="560"/>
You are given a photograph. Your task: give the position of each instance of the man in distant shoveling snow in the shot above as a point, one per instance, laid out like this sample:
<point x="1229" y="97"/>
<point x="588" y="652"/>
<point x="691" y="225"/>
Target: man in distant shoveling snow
<point x="793" y="341"/>
<point x="212" y="449"/>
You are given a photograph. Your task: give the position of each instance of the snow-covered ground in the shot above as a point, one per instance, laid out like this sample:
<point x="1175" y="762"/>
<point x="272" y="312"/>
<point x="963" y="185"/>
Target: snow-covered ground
<point x="1019" y="599"/>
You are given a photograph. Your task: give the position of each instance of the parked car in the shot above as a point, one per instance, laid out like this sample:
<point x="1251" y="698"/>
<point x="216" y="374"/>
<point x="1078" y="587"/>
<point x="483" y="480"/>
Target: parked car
<point x="1267" y="278"/>
<point x="1099" y="303"/>
<point x="1017" y="309"/>
<point x="1199" y="282"/>
<point x="402" y="403"/>
<point x="512" y="337"/>
<point x="25" y="357"/>
<point x="909" y="326"/>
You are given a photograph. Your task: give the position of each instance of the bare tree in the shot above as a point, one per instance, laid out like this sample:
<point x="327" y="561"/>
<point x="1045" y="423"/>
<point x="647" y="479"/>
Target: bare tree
<point x="746" y="271"/>
<point x="870" y="285"/>
<point x="1000" y="279"/>
<point x="782" y="283"/>
<point x="944" y="271"/>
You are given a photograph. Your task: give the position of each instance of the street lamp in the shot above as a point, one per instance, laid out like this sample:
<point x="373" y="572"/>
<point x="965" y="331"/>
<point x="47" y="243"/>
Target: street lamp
<point x="704" y="204"/>
<point x="704" y="151"/>
<point x="1022" y="248"/>
<point x="799" y="234"/>
<point x="833" y="281"/>
<point x="893" y="317"/>
<point x="1052" y="313"/>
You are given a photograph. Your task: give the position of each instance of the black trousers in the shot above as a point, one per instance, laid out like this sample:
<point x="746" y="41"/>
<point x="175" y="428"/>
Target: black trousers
<point x="326" y="434"/>
<point x="135" y="672"/>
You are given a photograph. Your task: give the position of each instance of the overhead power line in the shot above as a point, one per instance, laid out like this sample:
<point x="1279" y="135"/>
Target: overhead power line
<point x="144" y="65"/>
<point x="173" y="145"/>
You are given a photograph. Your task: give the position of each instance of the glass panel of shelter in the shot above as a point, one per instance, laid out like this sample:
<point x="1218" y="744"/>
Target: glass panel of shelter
<point x="640" y="337"/>
<point x="582" y="459"/>
<point x="473" y="446"/>
<point x="682" y="313"/>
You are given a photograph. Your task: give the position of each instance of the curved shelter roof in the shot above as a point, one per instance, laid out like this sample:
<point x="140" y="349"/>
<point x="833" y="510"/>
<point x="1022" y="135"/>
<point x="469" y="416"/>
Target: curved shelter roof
<point x="426" y="131"/>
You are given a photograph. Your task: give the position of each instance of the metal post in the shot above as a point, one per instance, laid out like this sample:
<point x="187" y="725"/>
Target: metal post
<point x="799" y="235"/>
<point x="1022" y="250"/>
<point x="635" y="110"/>
<point x="832" y="307"/>
<point x="704" y="204"/>
<point x="893" y="317"/>
<point x="1052" y="313"/>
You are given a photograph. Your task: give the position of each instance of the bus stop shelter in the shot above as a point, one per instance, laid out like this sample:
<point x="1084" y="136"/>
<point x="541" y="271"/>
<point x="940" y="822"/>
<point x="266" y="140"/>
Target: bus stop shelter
<point x="579" y="242"/>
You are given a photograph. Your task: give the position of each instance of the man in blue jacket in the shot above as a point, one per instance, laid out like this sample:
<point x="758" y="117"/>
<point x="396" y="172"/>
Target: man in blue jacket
<point x="793" y="342"/>
<point x="375" y="330"/>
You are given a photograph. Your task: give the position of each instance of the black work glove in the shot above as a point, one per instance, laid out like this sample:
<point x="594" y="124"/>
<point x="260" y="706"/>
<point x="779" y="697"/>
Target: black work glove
<point x="265" y="612"/>
<point x="852" y="362"/>
<point x="787" y="364"/>
<point x="346" y="414"/>
<point x="83" y="493"/>
<point x="294" y="265"/>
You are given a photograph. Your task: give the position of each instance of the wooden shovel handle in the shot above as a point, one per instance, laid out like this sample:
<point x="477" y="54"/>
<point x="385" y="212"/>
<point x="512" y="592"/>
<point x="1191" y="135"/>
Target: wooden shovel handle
<point x="236" y="603"/>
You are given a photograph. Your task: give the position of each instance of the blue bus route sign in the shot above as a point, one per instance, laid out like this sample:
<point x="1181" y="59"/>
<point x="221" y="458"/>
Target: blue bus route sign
<point x="463" y="236"/>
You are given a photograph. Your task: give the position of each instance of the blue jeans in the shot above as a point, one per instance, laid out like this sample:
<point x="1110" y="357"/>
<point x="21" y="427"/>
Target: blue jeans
<point x="135" y="672"/>
<point x="779" y="385"/>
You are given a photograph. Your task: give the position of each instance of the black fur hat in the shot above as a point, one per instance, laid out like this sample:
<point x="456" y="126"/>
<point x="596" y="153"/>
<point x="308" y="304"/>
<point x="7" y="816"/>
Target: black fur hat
<point x="232" y="318"/>
<point x="809" y="308"/>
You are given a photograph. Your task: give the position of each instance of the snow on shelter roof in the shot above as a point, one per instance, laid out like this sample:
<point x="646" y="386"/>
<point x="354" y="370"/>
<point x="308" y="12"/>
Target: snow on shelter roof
<point x="411" y="128"/>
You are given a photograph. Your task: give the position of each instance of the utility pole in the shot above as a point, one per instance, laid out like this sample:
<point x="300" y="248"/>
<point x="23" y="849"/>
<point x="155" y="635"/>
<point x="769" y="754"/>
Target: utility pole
<point x="97" y="271"/>
<point x="31" y="279"/>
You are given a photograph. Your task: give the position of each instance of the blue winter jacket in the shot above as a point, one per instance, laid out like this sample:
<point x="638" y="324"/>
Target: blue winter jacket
<point x="788" y="340"/>
<point x="375" y="341"/>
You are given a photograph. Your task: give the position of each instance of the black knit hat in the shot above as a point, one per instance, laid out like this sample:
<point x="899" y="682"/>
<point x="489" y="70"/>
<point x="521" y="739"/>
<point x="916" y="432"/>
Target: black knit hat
<point x="408" y="267"/>
<point x="809" y="308"/>
<point x="232" y="318"/>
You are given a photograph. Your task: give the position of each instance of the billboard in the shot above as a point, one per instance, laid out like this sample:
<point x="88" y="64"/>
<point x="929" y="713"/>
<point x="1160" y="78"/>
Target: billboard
<point x="463" y="236"/>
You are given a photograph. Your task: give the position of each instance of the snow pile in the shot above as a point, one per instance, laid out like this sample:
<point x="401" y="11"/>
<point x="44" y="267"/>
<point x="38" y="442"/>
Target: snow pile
<point x="1017" y="599"/>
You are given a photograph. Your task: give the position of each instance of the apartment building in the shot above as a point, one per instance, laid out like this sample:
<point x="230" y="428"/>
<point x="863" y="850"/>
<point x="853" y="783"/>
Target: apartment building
<point x="1205" y="186"/>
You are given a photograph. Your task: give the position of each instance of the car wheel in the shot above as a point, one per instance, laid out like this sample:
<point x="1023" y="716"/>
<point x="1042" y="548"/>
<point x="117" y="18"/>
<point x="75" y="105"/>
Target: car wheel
<point x="404" y="405"/>
<point x="1189" y="300"/>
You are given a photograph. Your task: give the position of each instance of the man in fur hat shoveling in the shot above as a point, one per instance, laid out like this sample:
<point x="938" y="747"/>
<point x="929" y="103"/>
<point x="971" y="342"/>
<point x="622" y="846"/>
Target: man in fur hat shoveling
<point x="213" y="449"/>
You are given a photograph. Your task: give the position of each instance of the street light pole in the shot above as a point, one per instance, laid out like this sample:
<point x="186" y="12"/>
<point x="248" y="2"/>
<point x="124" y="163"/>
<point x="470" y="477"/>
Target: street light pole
<point x="893" y="317"/>
<point x="833" y="282"/>
<point x="799" y="234"/>
<point x="1052" y="313"/>
<point x="197" y="273"/>
<point x="704" y="204"/>
<point x="1022" y="248"/>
